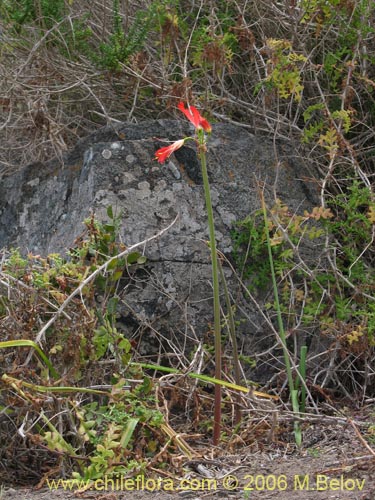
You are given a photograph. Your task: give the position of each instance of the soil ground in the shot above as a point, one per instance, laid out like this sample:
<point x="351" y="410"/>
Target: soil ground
<point x="335" y="464"/>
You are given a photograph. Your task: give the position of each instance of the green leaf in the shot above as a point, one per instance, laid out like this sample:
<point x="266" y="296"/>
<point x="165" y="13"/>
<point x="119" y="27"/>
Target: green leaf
<point x="112" y="305"/>
<point x="133" y="257"/>
<point x="112" y="264"/>
<point x="128" y="432"/>
<point x="110" y="212"/>
<point x="30" y="343"/>
<point x="116" y="276"/>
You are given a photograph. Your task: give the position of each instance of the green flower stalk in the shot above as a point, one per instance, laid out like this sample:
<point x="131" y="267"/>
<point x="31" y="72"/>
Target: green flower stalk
<point x="202" y="126"/>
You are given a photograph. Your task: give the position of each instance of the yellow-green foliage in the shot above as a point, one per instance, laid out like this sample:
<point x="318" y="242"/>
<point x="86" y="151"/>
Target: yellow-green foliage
<point x="349" y="221"/>
<point x="284" y="69"/>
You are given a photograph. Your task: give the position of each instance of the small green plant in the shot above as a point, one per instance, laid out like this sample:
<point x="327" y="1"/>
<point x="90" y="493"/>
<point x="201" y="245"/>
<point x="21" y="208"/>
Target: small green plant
<point x="114" y="429"/>
<point x="122" y="45"/>
<point x="314" y="452"/>
<point x="108" y="340"/>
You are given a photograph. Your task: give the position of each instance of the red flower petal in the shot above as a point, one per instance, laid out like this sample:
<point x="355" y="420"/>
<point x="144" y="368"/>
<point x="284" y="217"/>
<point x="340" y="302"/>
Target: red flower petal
<point x="205" y="125"/>
<point x="193" y="115"/>
<point x="163" y="154"/>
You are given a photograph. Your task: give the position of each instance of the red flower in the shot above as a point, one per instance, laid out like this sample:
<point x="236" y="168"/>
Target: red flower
<point x="163" y="154"/>
<point x="193" y="115"/>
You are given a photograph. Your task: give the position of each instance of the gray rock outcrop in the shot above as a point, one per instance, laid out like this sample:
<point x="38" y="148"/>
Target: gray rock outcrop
<point x="42" y="208"/>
